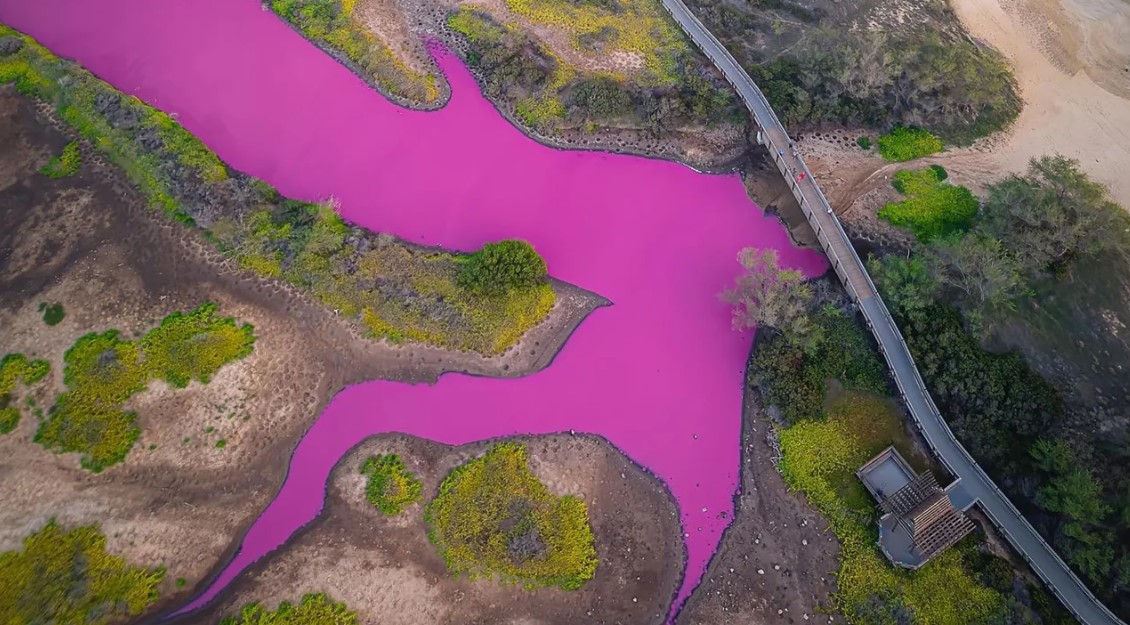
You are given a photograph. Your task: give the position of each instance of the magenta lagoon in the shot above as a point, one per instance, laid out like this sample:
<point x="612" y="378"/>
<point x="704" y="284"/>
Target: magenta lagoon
<point x="658" y="373"/>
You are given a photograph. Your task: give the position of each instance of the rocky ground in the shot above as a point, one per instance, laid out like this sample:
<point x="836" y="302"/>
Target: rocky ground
<point x="177" y="500"/>
<point x="385" y="569"/>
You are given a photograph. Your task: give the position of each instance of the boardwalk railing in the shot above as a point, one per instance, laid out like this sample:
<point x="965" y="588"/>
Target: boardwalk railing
<point x="1060" y="579"/>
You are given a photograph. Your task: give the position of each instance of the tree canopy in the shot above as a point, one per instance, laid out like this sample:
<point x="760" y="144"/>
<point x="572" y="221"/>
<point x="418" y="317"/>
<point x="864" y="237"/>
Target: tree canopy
<point x="767" y="295"/>
<point x="979" y="268"/>
<point x="500" y="267"/>
<point x="1052" y="215"/>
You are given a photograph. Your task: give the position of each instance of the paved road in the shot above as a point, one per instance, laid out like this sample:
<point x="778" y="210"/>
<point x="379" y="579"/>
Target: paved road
<point x="1043" y="559"/>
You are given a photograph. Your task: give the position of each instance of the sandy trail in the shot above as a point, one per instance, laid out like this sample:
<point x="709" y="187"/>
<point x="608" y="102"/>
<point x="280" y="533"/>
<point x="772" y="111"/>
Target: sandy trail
<point x="1064" y="111"/>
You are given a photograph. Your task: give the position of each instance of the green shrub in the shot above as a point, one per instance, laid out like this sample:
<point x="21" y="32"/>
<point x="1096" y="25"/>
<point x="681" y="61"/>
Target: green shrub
<point x="52" y="314"/>
<point x="600" y="98"/>
<point x="102" y="434"/>
<point x="9" y="416"/>
<point x="67" y="577"/>
<point x="931" y="209"/>
<point x="102" y="371"/>
<point x="940" y="172"/>
<point x="17" y="368"/>
<point x="904" y="143"/>
<point x="194" y="345"/>
<point x="500" y="267"/>
<point x="391" y="487"/>
<point x="794" y="381"/>
<point x="493" y="518"/>
<point x="66" y="164"/>
<point x="864" y="143"/>
<point x="312" y="610"/>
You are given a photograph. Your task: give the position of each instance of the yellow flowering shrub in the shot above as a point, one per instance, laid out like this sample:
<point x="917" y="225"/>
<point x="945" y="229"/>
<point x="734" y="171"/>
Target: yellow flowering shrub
<point x="494" y="518"/>
<point x="67" y="577"/>
<point x="331" y="23"/>
<point x="641" y="27"/>
<point x="102" y="371"/>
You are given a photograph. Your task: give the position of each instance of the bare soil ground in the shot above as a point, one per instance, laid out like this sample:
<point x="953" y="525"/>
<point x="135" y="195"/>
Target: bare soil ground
<point x="776" y="563"/>
<point x="177" y="500"/>
<point x="385" y="569"/>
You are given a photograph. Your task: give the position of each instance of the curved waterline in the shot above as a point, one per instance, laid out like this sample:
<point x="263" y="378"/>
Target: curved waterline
<point x="659" y="373"/>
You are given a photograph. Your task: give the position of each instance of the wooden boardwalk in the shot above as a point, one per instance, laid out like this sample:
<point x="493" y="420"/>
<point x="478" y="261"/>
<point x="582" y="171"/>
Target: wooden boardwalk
<point x="1060" y="579"/>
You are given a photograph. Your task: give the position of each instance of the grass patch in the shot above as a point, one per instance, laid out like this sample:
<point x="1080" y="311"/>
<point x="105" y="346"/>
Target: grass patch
<point x="932" y="209"/>
<point x="794" y="382"/>
<point x="312" y="610"/>
<point x="193" y="346"/>
<point x="53" y="314"/>
<point x="364" y="276"/>
<point x="16" y="369"/>
<point x="390" y="486"/>
<point x="905" y="143"/>
<point x="331" y="24"/>
<point x="820" y="459"/>
<point x="66" y="164"/>
<point x="493" y="518"/>
<point x="68" y="577"/>
<point x="102" y="371"/>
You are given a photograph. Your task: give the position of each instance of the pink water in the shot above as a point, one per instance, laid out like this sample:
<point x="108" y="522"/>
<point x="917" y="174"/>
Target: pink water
<point x="659" y="373"/>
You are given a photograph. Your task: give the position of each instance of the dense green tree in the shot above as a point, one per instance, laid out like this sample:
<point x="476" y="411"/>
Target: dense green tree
<point x="995" y="403"/>
<point x="1074" y="493"/>
<point x="500" y="267"/>
<point x="950" y="86"/>
<point x="1052" y="215"/>
<point x="906" y="284"/>
<point x="978" y="268"/>
<point x="600" y="98"/>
